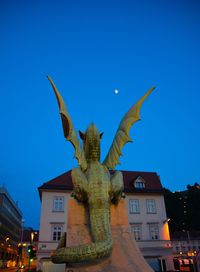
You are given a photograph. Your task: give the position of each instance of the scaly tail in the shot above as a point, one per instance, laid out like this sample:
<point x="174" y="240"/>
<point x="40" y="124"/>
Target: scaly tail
<point x="82" y="253"/>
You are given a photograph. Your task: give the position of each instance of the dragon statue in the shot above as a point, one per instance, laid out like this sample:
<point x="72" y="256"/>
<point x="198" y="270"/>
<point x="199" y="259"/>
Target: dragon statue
<point x="93" y="183"/>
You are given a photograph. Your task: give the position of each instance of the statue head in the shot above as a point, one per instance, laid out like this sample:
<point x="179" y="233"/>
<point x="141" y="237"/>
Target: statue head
<point x="91" y="143"/>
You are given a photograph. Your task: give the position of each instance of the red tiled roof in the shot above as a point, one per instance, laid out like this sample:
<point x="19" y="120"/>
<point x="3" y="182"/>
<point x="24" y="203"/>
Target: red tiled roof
<point x="152" y="182"/>
<point x="151" y="179"/>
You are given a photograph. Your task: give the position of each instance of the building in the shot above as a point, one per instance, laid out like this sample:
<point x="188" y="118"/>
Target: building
<point x="185" y="246"/>
<point x="147" y="217"/>
<point x="30" y="237"/>
<point x="10" y="229"/>
<point x="145" y="208"/>
<point x="185" y="243"/>
<point x="183" y="209"/>
<point x="29" y="243"/>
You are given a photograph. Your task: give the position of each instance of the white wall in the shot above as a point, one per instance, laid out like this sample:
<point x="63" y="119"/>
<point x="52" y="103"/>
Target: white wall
<point x="48" y="216"/>
<point x="160" y="247"/>
<point x="145" y="218"/>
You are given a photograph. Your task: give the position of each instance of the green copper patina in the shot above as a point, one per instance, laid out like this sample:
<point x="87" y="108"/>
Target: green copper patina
<point x="93" y="183"/>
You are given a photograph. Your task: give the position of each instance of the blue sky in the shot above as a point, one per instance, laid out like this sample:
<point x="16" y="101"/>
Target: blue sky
<point x="91" y="48"/>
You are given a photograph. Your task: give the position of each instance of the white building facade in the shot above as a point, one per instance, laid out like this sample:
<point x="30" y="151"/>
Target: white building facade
<point x="145" y="208"/>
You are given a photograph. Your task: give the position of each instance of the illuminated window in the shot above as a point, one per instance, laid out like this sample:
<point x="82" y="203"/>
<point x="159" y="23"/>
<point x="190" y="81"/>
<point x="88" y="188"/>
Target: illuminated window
<point x="57" y="232"/>
<point x="139" y="183"/>
<point x="134" y="206"/>
<point x="137" y="231"/>
<point x="154" y="231"/>
<point x="151" y="206"/>
<point x="58" y="204"/>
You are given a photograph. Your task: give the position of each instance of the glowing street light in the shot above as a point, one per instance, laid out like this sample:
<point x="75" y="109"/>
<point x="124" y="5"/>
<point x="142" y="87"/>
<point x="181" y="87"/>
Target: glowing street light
<point x="32" y="236"/>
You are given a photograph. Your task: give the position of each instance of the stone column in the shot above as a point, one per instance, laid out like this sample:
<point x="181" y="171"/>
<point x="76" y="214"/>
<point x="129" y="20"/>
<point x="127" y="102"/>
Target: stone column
<point x="125" y="256"/>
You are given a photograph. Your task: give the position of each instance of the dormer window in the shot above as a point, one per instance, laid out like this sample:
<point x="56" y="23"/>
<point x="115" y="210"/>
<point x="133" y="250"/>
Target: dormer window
<point x="139" y="183"/>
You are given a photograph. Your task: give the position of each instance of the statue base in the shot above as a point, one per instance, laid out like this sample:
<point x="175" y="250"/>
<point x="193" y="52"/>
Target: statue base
<point x="126" y="255"/>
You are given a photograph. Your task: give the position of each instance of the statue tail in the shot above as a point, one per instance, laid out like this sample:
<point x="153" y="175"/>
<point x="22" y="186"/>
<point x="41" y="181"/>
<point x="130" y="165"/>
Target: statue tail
<point x="82" y="253"/>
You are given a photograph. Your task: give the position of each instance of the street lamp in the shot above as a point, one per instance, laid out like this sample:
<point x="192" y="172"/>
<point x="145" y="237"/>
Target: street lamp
<point x="166" y="220"/>
<point x="32" y="237"/>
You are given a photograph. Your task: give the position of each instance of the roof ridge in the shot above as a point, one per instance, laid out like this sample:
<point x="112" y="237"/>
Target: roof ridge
<point x="152" y="182"/>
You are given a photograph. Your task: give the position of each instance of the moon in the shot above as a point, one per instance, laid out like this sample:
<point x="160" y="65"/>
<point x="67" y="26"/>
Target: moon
<point x="116" y="91"/>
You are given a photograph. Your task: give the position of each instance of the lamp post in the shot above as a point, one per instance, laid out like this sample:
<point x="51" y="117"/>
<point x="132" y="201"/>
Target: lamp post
<point x="32" y="237"/>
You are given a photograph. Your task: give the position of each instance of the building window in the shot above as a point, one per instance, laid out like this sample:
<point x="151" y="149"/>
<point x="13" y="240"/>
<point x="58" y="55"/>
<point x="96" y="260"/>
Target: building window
<point x="134" y="206"/>
<point x="137" y="231"/>
<point x="177" y="248"/>
<point x="58" y="204"/>
<point x="151" y="206"/>
<point x="154" y="231"/>
<point x="139" y="183"/>
<point x="183" y="248"/>
<point x="57" y="232"/>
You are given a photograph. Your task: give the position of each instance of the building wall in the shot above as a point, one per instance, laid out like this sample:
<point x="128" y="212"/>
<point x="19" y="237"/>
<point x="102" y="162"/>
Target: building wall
<point x="50" y="218"/>
<point x="159" y="248"/>
<point x="150" y="248"/>
<point x="10" y="217"/>
<point x="182" y="247"/>
<point x="10" y="228"/>
<point x="145" y="219"/>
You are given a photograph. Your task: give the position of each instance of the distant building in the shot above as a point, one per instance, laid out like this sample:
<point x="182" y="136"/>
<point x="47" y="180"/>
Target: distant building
<point x="185" y="243"/>
<point x="29" y="238"/>
<point x="186" y="246"/>
<point x="10" y="229"/>
<point x="145" y="208"/>
<point x="183" y="208"/>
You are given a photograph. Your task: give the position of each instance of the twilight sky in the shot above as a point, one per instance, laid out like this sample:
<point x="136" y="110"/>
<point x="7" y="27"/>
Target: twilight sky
<point x="91" y="48"/>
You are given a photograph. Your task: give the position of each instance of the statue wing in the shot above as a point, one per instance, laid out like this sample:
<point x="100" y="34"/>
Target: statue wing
<point x="68" y="128"/>
<point x="122" y="135"/>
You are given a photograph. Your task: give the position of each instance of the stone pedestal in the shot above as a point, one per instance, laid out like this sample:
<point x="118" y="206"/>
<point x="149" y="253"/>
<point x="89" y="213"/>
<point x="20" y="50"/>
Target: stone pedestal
<point x="125" y="256"/>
